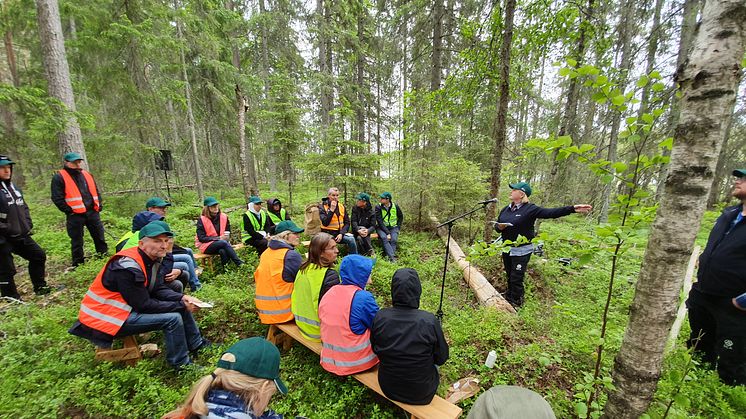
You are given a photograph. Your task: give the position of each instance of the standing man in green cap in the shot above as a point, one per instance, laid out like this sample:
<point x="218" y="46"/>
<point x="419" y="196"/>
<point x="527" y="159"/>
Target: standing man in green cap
<point x="256" y="225"/>
<point x="517" y="219"/>
<point x="75" y="193"/>
<point x="717" y="301"/>
<point x="389" y="217"/>
<point x="15" y="236"/>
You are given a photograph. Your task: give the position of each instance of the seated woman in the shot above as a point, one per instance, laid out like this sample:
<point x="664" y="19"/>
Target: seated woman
<point x="315" y="277"/>
<point x="409" y="342"/>
<point x="276" y="212"/>
<point x="256" y="225"/>
<point x="213" y="231"/>
<point x="346" y="312"/>
<point x="275" y="274"/>
<point x="247" y="376"/>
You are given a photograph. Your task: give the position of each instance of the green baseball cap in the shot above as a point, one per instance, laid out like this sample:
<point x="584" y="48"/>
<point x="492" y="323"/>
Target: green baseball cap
<point x="385" y="195"/>
<point x="71" y="157"/>
<point x="6" y="161"/>
<point x="255" y="357"/>
<point x="739" y="173"/>
<point x="521" y="186"/>
<point x="287" y="225"/>
<point x="155" y="229"/>
<point x="156" y="202"/>
<point x="362" y="196"/>
<point x="253" y="199"/>
<point x="210" y="201"/>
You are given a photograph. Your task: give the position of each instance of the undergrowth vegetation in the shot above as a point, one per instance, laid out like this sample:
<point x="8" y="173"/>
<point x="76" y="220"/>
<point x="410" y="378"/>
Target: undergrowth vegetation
<point x="548" y="347"/>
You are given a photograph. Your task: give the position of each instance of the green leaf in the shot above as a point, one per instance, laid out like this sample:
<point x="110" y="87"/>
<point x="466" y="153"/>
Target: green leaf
<point x="642" y="81"/>
<point x="581" y="409"/>
<point x="571" y="62"/>
<point x="667" y="143"/>
<point x="601" y="80"/>
<point x="599" y="97"/>
<point x="657" y="112"/>
<point x="655" y="75"/>
<point x="631" y="120"/>
<point x="618" y="100"/>
<point x="634" y="138"/>
<point x="647" y="118"/>
<point x="658" y="87"/>
<point x="619" y="167"/>
<point x="544" y="361"/>
<point x="564" y="71"/>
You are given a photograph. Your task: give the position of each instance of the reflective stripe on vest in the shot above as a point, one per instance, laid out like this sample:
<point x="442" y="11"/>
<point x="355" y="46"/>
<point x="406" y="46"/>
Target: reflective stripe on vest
<point x="273" y="295"/>
<point x="73" y="198"/>
<point x="342" y="351"/>
<point x="391" y="217"/>
<point x="338" y="221"/>
<point x="258" y="225"/>
<point x="305" y="301"/>
<point x="210" y="231"/>
<point x="105" y="310"/>
<point x="277" y="219"/>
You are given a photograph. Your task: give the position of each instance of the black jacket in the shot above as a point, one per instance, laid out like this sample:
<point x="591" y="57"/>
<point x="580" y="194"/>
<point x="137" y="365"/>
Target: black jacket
<point x="379" y="217"/>
<point x="722" y="265"/>
<point x="409" y="343"/>
<point x="58" y="191"/>
<point x="15" y="218"/>
<point x="523" y="219"/>
<point x="251" y="235"/>
<point x="363" y="217"/>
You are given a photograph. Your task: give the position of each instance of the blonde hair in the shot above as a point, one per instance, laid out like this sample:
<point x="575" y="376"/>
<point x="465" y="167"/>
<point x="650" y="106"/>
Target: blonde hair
<point x="524" y="200"/>
<point x="282" y="237"/>
<point x="255" y="392"/>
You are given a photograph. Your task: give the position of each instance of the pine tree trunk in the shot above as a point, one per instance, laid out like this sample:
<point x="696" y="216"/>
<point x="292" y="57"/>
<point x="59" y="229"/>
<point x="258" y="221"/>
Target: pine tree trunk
<point x="58" y="75"/>
<point x="708" y="82"/>
<point x="190" y="121"/>
<point x="266" y="132"/>
<point x="500" y="128"/>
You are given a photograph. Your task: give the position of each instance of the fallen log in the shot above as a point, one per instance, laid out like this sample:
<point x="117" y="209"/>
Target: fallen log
<point x="484" y="291"/>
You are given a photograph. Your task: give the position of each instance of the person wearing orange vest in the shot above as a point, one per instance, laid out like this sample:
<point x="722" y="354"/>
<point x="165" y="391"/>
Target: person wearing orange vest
<point x="129" y="297"/>
<point x="335" y="220"/>
<point x="213" y="233"/>
<point x="346" y="312"/>
<point x="275" y="274"/>
<point x="75" y="193"/>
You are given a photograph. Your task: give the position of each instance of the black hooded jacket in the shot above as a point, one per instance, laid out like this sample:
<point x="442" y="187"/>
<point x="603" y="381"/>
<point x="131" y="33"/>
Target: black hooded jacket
<point x="15" y="218"/>
<point x="409" y="343"/>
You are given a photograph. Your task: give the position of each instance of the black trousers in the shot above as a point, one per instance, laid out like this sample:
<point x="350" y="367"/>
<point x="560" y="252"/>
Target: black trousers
<point x="92" y="221"/>
<point x="28" y="249"/>
<point x="364" y="244"/>
<point x="719" y="335"/>
<point x="260" y="245"/>
<point x="515" y="268"/>
<point x="225" y="250"/>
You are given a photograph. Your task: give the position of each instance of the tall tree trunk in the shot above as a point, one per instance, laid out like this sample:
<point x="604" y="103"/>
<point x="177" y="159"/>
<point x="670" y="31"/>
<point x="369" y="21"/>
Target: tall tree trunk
<point x="360" y="74"/>
<point x="326" y="92"/>
<point x="501" y="116"/>
<point x="190" y="119"/>
<point x="708" y="82"/>
<point x="266" y="130"/>
<point x="58" y="75"/>
<point x="11" y="57"/>
<point x="436" y="66"/>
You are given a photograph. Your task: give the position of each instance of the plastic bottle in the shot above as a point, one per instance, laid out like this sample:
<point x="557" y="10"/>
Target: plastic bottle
<point x="491" y="358"/>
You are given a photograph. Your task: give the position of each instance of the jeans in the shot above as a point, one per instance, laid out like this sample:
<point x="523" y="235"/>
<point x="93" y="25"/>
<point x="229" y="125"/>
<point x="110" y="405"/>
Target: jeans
<point x="185" y="262"/>
<point x="179" y="329"/>
<point x="349" y="241"/>
<point x="28" y="249"/>
<point x="389" y="246"/>
<point x="92" y="221"/>
<point x="225" y="250"/>
<point x="364" y="245"/>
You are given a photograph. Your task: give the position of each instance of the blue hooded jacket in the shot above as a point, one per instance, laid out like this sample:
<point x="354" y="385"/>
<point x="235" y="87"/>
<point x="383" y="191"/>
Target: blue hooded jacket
<point x="142" y="218"/>
<point x="355" y="270"/>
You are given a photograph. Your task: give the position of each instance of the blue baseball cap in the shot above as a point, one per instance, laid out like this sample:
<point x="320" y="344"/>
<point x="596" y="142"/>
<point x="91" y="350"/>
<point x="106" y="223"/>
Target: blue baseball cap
<point x="71" y="157"/>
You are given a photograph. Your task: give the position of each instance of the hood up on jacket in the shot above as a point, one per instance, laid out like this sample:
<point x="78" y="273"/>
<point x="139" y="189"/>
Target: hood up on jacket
<point x="355" y="270"/>
<point x="271" y="202"/>
<point x="143" y="218"/>
<point x="406" y="288"/>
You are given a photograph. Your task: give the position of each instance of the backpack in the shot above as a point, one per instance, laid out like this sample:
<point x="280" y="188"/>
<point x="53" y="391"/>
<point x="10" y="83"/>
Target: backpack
<point x="312" y="222"/>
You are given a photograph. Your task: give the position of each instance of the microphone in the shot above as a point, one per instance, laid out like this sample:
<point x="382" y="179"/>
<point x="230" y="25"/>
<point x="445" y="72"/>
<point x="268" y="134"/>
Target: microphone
<point x="489" y="201"/>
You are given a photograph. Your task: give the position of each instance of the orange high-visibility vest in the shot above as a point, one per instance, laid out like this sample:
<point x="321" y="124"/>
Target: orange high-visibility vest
<point x="210" y="230"/>
<point x="273" y="295"/>
<point x="338" y="221"/>
<point x="72" y="193"/>
<point x="106" y="310"/>
<point x="342" y="351"/>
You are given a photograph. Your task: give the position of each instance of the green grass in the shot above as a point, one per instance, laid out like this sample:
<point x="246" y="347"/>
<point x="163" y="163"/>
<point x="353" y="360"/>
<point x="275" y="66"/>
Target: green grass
<point x="548" y="347"/>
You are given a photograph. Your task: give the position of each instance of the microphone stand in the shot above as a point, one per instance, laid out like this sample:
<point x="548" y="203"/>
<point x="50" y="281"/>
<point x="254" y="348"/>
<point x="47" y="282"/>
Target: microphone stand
<point x="450" y="223"/>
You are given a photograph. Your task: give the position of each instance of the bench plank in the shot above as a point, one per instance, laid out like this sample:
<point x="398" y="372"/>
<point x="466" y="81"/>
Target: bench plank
<point x="438" y="408"/>
<point x="209" y="258"/>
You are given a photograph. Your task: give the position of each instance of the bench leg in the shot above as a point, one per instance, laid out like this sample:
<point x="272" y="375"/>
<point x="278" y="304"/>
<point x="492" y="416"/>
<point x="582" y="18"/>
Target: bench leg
<point x="278" y="338"/>
<point x="272" y="334"/>
<point x="129" y="354"/>
<point x="131" y="343"/>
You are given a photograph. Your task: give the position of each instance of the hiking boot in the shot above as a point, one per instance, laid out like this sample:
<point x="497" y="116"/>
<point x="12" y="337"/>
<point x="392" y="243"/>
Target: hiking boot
<point x="43" y="290"/>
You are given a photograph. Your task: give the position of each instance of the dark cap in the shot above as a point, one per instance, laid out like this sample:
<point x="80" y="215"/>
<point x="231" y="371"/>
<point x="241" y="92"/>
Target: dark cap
<point x="255" y="357"/>
<point x="287" y="225"/>
<point x="156" y="202"/>
<point x="385" y="195"/>
<point x="739" y="173"/>
<point x="155" y="229"/>
<point x="6" y="161"/>
<point x="521" y="186"/>
<point x="210" y="201"/>
<point x="71" y="157"/>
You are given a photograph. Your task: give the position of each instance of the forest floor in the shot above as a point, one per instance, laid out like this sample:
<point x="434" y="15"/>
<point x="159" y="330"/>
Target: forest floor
<point x="548" y="347"/>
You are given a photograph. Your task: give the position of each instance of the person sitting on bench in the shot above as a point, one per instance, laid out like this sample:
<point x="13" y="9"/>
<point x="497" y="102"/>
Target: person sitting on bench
<point x="346" y="312"/>
<point x="256" y="225"/>
<point x="125" y="299"/>
<point x="275" y="274"/>
<point x="409" y="342"/>
<point x="336" y="221"/>
<point x="247" y="376"/>
<point x="276" y="212"/>
<point x="213" y="233"/>
<point x="315" y="277"/>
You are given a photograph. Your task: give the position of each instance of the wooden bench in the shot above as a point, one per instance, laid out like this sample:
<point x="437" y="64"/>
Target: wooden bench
<point x="129" y="353"/>
<point x="308" y="242"/>
<point x="438" y="408"/>
<point x="208" y="259"/>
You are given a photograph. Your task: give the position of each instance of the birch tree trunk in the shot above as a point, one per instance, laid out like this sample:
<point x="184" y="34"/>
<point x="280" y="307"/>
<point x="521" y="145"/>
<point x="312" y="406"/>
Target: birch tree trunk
<point x="498" y="135"/>
<point x="708" y="82"/>
<point x="58" y="75"/>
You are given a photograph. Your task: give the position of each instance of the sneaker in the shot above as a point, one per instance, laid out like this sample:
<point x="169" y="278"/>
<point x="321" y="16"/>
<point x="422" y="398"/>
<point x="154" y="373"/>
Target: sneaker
<point x="43" y="290"/>
<point x="206" y="344"/>
<point x="199" y="271"/>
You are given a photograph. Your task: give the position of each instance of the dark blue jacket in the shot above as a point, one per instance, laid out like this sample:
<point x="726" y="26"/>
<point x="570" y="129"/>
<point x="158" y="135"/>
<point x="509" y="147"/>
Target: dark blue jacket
<point x="722" y="265"/>
<point x="142" y="218"/>
<point x="523" y="219"/>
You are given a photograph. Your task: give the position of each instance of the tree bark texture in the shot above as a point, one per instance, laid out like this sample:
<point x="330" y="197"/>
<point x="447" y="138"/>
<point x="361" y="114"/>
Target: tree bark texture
<point x="57" y="73"/>
<point x="708" y="82"/>
<point x="190" y="121"/>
